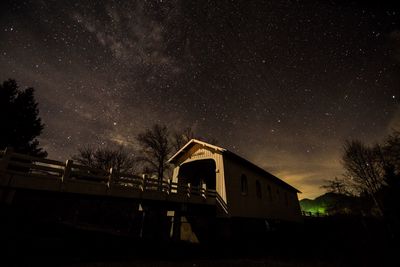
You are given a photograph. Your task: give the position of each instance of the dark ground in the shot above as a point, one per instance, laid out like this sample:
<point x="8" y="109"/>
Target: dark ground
<point x="34" y="232"/>
<point x="327" y="241"/>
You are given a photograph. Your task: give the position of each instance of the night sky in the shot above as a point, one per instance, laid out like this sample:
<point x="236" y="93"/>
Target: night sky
<point x="281" y="83"/>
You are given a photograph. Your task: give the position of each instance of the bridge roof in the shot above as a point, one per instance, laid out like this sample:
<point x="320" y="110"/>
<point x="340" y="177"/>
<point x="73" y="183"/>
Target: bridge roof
<point x="189" y="145"/>
<point x="233" y="156"/>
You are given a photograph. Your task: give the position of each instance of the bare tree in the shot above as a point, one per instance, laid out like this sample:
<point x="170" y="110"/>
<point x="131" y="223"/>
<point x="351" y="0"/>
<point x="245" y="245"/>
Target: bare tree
<point x="390" y="152"/>
<point x="157" y="145"/>
<point x="179" y="139"/>
<point x="105" y="158"/>
<point x="363" y="168"/>
<point x="337" y="186"/>
<point x="391" y="192"/>
<point x="155" y="149"/>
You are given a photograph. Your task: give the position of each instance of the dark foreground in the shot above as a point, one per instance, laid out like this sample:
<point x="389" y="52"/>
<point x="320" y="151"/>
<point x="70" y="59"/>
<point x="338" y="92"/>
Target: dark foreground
<point x="328" y="241"/>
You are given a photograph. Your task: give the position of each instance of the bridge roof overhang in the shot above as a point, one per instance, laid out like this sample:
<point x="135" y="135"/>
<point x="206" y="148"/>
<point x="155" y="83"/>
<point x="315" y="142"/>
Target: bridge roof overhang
<point x="185" y="149"/>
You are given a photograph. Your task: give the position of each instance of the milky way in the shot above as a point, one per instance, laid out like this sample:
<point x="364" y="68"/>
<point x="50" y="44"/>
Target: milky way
<point x="282" y="83"/>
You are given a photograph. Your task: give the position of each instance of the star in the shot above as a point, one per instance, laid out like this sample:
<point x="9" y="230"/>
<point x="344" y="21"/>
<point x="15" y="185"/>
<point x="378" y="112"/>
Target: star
<point x="271" y="79"/>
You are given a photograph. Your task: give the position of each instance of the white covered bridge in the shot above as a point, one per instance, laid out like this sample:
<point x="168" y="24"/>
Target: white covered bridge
<point x="244" y="190"/>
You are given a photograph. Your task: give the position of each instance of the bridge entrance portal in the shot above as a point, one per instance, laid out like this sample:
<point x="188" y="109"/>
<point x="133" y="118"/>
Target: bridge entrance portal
<point x="198" y="173"/>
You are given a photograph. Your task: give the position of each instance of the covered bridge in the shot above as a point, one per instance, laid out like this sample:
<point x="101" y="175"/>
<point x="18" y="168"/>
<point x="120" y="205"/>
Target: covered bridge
<point x="244" y="189"/>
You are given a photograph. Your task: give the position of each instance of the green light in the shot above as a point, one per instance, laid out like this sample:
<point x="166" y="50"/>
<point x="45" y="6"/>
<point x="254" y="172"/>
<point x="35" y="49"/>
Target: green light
<point x="313" y="208"/>
<point x="316" y="210"/>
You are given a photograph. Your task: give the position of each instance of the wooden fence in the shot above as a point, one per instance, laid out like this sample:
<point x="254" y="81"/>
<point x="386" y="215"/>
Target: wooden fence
<point x="23" y="171"/>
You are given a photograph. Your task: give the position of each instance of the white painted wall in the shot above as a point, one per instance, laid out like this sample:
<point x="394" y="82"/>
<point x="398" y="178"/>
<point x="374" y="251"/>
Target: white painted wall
<point x="200" y="152"/>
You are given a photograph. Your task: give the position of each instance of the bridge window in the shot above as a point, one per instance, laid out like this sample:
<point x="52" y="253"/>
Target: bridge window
<point x="258" y="189"/>
<point x="243" y="183"/>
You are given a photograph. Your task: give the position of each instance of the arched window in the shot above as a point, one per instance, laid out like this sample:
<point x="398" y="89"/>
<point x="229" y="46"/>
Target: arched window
<point x="243" y="183"/>
<point x="258" y="189"/>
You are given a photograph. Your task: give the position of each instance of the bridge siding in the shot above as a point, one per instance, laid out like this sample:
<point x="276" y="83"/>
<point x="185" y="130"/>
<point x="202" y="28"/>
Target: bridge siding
<point x="199" y="152"/>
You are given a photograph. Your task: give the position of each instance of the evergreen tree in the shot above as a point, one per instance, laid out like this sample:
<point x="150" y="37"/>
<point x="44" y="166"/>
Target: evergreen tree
<point x="20" y="121"/>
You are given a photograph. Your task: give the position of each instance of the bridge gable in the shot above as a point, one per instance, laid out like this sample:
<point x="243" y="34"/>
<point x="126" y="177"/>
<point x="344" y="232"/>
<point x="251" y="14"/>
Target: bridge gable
<point x="199" y="151"/>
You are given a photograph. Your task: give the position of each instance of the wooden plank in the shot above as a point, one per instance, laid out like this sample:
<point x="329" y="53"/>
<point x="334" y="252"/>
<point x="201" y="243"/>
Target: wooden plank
<point x="119" y="178"/>
<point x="46" y="168"/>
<point x="49" y="162"/>
<point x="37" y="182"/>
<point x="12" y="172"/>
<point x="30" y="174"/>
<point x="42" y="175"/>
<point x="87" y="176"/>
<point x="76" y="167"/>
<point x="211" y="193"/>
<point x="127" y="181"/>
<point x="19" y="164"/>
<point x="129" y="176"/>
<point x="154" y="195"/>
<point x="85" y="187"/>
<point x="36" y="159"/>
<point x="122" y="191"/>
<point x="222" y="203"/>
<point x="35" y="166"/>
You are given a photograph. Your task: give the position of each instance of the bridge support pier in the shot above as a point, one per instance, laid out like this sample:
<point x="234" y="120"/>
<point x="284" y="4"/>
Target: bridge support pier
<point x="176" y="226"/>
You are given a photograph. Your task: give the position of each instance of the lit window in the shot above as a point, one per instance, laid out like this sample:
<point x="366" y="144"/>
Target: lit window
<point x="258" y="189"/>
<point x="243" y="181"/>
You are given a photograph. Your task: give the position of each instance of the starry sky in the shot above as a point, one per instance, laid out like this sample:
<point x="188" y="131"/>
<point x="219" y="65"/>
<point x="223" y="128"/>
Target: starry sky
<point x="281" y="83"/>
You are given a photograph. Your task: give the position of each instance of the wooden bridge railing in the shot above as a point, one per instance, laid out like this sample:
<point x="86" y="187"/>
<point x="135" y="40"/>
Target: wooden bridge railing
<point x="22" y="165"/>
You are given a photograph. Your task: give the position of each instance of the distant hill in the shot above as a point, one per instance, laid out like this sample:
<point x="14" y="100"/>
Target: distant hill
<point x="327" y="204"/>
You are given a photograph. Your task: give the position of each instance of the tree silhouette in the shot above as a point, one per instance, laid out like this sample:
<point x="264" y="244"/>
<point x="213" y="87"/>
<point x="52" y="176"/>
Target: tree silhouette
<point x="391" y="152"/>
<point x="158" y="144"/>
<point x="179" y="139"/>
<point x="364" y="170"/>
<point x="105" y="158"/>
<point x="337" y="186"/>
<point x="155" y="149"/>
<point x="19" y="115"/>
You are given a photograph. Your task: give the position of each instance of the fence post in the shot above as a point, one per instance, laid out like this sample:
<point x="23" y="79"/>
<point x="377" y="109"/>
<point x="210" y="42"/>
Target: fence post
<point x="144" y="176"/>
<point x="6" y="158"/>
<point x="169" y="186"/>
<point x="188" y="190"/>
<point x="110" y="177"/>
<point x="67" y="170"/>
<point x="203" y="189"/>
